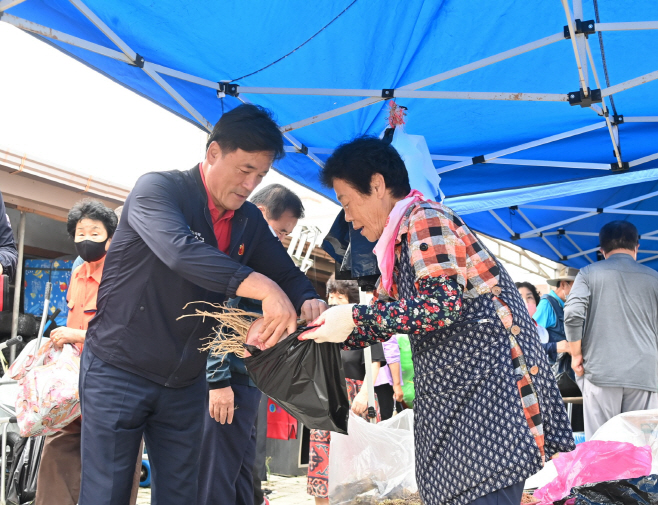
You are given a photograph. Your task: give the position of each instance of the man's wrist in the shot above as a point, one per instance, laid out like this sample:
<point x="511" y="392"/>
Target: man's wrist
<point x="226" y="383"/>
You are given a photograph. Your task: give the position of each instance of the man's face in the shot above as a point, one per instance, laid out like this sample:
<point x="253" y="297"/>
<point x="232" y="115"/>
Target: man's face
<point x="565" y="289"/>
<point x="232" y="177"/>
<point x="282" y="226"/>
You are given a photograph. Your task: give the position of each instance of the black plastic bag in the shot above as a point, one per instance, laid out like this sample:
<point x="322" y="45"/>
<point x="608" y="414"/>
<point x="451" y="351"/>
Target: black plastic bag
<point x="305" y="378"/>
<point x="22" y="485"/>
<point x="565" y="377"/>
<point x="642" y="490"/>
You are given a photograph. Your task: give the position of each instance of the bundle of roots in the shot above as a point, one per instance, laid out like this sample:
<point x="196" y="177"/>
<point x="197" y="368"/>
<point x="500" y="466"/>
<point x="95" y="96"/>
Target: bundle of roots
<point x="231" y="332"/>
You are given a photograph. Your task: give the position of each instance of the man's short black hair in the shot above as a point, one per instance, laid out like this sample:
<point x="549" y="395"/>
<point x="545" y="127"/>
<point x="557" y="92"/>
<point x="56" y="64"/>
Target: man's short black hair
<point x="91" y="209"/>
<point x="532" y="288"/>
<point x="618" y="235"/>
<point x="355" y="162"/>
<point x="277" y="199"/>
<point x="250" y="128"/>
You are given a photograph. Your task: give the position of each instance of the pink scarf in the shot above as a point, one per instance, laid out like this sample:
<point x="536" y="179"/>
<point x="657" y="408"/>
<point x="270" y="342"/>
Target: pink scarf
<point x="385" y="248"/>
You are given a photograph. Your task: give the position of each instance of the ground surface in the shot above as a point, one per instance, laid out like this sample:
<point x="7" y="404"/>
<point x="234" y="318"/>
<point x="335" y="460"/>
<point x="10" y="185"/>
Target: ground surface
<point x="285" y="491"/>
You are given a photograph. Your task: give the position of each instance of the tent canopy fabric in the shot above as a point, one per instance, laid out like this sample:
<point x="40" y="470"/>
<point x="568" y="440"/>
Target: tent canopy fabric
<point x="487" y="83"/>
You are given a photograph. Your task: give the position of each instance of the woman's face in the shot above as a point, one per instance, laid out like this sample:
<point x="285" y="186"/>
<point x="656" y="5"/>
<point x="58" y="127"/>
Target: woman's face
<point x="90" y="229"/>
<point x="337" y="299"/>
<point x="367" y="213"/>
<point x="529" y="300"/>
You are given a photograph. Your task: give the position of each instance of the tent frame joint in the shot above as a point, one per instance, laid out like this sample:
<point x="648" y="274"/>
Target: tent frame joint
<point x="139" y="61"/>
<point x="585" y="100"/>
<point x="618" y="119"/>
<point x="617" y="168"/>
<point x="226" y="88"/>
<point x="581" y="27"/>
<point x="478" y="159"/>
<point x="388" y="93"/>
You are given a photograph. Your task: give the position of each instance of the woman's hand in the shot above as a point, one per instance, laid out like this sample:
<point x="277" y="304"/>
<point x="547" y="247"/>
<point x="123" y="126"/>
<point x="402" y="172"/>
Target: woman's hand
<point x="333" y="325"/>
<point x="65" y="335"/>
<point x="398" y="394"/>
<point x="360" y="402"/>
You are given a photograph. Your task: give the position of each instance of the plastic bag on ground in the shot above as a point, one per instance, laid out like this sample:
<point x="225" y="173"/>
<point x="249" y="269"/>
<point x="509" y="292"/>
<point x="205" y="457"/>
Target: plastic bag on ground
<point x="48" y="398"/>
<point x="375" y="460"/>
<point x="306" y="379"/>
<point x="22" y="476"/>
<point x="639" y="428"/>
<point x="595" y="461"/>
<point x="640" y="491"/>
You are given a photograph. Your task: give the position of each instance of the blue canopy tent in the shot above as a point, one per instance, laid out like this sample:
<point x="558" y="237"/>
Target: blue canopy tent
<point x="522" y="102"/>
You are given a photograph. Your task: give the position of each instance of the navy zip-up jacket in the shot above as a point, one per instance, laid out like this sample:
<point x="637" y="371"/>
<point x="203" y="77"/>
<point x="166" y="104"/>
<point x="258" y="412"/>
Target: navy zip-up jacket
<point x="163" y="256"/>
<point x="8" y="253"/>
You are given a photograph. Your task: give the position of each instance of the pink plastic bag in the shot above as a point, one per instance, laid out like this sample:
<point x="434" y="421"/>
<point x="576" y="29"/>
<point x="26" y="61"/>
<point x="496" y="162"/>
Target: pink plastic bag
<point x="595" y="461"/>
<point x="48" y="397"/>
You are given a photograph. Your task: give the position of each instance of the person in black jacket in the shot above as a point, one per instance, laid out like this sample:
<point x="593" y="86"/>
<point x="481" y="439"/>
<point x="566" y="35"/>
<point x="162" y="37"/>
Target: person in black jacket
<point x="184" y="237"/>
<point x="8" y="253"/>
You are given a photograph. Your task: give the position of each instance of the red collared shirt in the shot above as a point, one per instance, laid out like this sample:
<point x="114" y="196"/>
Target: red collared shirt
<point x="221" y="224"/>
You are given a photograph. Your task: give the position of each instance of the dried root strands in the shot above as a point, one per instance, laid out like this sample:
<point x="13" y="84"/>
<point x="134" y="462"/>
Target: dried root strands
<point x="230" y="333"/>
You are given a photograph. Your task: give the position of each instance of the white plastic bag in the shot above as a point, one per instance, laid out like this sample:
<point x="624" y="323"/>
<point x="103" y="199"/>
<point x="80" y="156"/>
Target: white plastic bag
<point x="416" y="156"/>
<point x="639" y="428"/>
<point x="374" y="460"/>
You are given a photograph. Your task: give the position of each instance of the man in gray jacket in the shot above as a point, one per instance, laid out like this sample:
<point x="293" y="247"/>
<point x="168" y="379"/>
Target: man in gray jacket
<point x="611" y="322"/>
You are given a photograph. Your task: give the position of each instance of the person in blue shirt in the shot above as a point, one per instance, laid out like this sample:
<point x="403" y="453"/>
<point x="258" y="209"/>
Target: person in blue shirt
<point x="228" y="451"/>
<point x="550" y="312"/>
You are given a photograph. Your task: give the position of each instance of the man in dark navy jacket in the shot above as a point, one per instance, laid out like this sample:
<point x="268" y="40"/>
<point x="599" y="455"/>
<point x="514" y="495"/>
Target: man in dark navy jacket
<point x="184" y="237"/>
<point x="8" y="253"/>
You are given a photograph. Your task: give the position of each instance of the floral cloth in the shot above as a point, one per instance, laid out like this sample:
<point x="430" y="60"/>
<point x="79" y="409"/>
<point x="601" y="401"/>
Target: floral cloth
<point x="487" y="408"/>
<point x="48" y="397"/>
<point x="317" y="483"/>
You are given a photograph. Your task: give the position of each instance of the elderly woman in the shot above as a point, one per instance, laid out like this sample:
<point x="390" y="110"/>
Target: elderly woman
<point x="487" y="410"/>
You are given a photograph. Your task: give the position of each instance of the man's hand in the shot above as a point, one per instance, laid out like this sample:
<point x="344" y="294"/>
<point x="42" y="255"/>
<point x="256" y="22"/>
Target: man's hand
<point x="221" y="406"/>
<point x="398" y="394"/>
<point x="577" y="365"/>
<point x="311" y="309"/>
<point x="360" y="403"/>
<point x="279" y="315"/>
<point x="65" y="335"/>
<point x="563" y="346"/>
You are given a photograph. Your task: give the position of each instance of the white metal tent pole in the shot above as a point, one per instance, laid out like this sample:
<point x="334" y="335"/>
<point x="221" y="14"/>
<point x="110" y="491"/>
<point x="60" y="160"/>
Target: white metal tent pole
<point x="640" y="119"/>
<point x="581" y="39"/>
<point x="603" y="210"/>
<point x="646" y="159"/>
<point x="583" y="253"/>
<point x="643" y="79"/>
<point x="573" y="243"/>
<point x="116" y="40"/>
<point x="525" y="218"/>
<point x="632" y="25"/>
<point x="430" y="80"/>
<point x="504" y="225"/>
<point x="527" y="145"/>
<point x="572" y="33"/>
<point x="8" y="4"/>
<point x="615" y="140"/>
<point x="589" y="214"/>
<point x="648" y="259"/>
<point x="44" y="31"/>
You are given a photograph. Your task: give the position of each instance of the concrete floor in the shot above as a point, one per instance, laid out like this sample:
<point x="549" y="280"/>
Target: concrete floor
<point x="285" y="491"/>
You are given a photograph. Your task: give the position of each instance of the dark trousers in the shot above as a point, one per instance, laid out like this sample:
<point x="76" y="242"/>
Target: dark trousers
<point x="260" y="468"/>
<point x="118" y="407"/>
<point x="227" y="453"/>
<point x="507" y="496"/>
<point x="384" y="394"/>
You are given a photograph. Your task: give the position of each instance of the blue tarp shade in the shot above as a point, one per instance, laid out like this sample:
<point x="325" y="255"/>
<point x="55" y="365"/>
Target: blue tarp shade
<point x="364" y="44"/>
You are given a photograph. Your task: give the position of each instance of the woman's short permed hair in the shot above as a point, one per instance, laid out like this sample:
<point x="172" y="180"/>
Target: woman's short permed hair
<point x="91" y="209"/>
<point x="350" y="289"/>
<point x="355" y="162"/>
<point x="532" y="288"/>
